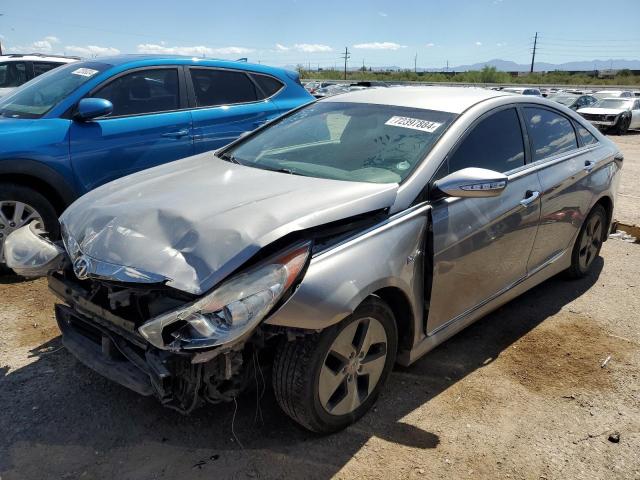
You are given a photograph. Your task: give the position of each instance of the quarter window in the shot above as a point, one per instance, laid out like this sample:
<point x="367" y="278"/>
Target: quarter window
<point x="143" y="91"/>
<point x="222" y="87"/>
<point x="586" y="136"/>
<point x="495" y="144"/>
<point x="550" y="133"/>
<point x="267" y="84"/>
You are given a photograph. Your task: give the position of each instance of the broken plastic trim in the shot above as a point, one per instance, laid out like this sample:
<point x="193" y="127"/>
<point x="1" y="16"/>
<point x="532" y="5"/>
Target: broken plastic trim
<point x="31" y="255"/>
<point x="231" y="310"/>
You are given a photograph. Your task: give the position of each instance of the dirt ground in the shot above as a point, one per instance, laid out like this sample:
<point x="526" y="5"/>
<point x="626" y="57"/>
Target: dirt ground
<point x="520" y="394"/>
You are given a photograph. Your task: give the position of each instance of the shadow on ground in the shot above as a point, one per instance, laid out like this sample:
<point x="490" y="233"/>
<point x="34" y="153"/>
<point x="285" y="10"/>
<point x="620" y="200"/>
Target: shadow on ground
<point x="57" y="416"/>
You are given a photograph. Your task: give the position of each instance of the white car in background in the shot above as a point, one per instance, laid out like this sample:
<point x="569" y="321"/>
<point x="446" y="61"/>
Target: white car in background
<point x="16" y="69"/>
<point x="617" y="114"/>
<point x="600" y="94"/>
<point x="523" y="91"/>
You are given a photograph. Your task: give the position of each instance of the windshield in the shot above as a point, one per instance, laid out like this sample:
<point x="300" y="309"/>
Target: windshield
<point x="613" y="103"/>
<point x="346" y="141"/>
<point x="12" y="74"/>
<point x="564" y="100"/>
<point x="37" y="97"/>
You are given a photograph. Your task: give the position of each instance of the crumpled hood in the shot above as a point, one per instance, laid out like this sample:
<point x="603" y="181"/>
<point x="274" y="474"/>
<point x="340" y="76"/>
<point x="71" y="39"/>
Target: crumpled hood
<point x="602" y="111"/>
<point x="194" y="221"/>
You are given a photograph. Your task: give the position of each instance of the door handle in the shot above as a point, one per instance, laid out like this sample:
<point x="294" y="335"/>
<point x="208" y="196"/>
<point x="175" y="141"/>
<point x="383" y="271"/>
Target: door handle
<point x="588" y="165"/>
<point x="530" y="198"/>
<point x="178" y="134"/>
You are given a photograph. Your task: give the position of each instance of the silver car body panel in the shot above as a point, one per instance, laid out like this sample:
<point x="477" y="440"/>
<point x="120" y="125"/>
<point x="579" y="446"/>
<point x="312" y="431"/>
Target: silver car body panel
<point x="224" y="213"/>
<point x="492" y="248"/>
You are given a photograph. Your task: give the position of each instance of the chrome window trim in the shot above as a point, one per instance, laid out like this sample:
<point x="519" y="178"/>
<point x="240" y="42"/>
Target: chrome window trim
<point x="550" y="161"/>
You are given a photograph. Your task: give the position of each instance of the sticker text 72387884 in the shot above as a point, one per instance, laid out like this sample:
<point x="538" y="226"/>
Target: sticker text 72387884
<point x="414" y="123"/>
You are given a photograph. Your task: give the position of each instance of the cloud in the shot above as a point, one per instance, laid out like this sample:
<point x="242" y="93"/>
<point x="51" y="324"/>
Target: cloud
<point x="52" y="39"/>
<point x="91" y="50"/>
<point x="430" y="44"/>
<point x="196" y="50"/>
<point x="281" y="48"/>
<point x="383" y="14"/>
<point x="501" y="44"/>
<point x="478" y="44"/>
<point x="44" y="45"/>
<point x="312" y="47"/>
<point x="379" y="46"/>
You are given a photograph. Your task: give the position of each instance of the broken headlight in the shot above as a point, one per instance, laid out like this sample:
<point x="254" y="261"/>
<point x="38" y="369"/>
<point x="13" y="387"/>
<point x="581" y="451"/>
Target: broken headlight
<point x="232" y="309"/>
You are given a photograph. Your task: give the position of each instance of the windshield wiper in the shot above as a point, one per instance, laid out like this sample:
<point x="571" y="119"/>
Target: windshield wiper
<point x="283" y="170"/>
<point x="229" y="157"/>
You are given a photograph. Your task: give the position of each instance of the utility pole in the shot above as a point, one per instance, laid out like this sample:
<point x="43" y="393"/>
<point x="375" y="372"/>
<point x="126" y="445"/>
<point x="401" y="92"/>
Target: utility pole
<point x="415" y="63"/>
<point x="1" y="15"/>
<point x="346" y="56"/>
<point x="533" y="56"/>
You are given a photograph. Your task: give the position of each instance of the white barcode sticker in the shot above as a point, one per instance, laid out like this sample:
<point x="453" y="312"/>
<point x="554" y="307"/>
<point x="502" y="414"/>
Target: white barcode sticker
<point x="414" y="123"/>
<point x="85" y="72"/>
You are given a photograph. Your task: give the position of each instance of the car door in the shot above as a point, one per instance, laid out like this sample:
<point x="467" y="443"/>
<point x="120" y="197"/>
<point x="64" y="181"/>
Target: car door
<point x="563" y="167"/>
<point x="150" y="125"/>
<point x="635" y="115"/>
<point x="227" y="103"/>
<point x="481" y="245"/>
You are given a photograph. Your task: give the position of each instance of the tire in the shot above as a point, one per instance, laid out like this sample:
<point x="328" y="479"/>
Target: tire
<point x="301" y="365"/>
<point x="33" y="202"/>
<point x="623" y="125"/>
<point x="588" y="243"/>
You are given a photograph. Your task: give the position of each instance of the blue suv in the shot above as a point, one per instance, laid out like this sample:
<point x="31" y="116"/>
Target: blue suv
<point x="87" y="123"/>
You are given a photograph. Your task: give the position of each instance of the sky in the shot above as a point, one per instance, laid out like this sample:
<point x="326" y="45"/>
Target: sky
<point x="315" y="33"/>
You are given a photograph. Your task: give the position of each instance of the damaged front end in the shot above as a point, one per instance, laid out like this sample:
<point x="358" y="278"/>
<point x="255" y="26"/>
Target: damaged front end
<point x="155" y="339"/>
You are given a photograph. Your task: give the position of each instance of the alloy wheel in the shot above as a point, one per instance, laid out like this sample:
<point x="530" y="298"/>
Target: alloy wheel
<point x="353" y="366"/>
<point x="13" y="215"/>
<point x="590" y="242"/>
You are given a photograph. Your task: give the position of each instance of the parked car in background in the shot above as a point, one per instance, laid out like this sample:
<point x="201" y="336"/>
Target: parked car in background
<point x="616" y="114"/>
<point x="85" y="124"/>
<point x="523" y="91"/>
<point x="17" y="69"/>
<point x="357" y="231"/>
<point x="600" y="94"/>
<point x="574" y="102"/>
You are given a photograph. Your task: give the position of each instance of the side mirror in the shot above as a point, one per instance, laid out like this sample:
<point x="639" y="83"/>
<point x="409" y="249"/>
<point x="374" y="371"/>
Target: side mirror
<point x="472" y="182"/>
<point x="90" y="108"/>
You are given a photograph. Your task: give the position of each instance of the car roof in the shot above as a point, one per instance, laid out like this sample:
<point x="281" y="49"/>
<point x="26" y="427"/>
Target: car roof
<point x="445" y="99"/>
<point x="144" y="60"/>
<point x="37" y="57"/>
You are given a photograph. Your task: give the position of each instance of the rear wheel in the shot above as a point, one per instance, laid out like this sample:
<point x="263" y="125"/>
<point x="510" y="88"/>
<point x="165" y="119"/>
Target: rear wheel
<point x="327" y="381"/>
<point x="589" y="242"/>
<point x="20" y="206"/>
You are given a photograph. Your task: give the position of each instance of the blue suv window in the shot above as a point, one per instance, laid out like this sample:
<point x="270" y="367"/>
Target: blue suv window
<point x="268" y="85"/>
<point x="213" y="87"/>
<point x="143" y="91"/>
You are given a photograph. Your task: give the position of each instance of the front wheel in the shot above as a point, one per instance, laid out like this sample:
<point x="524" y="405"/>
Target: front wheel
<point x="327" y="381"/>
<point x="623" y="125"/>
<point x="589" y="242"/>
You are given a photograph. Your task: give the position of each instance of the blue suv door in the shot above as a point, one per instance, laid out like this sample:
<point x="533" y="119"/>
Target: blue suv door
<point x="226" y="104"/>
<point x="150" y="125"/>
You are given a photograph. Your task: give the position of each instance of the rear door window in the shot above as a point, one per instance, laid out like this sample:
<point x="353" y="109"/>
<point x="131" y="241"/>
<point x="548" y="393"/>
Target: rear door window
<point x="12" y="74"/>
<point x="550" y="133"/>
<point x="215" y="87"/>
<point x="143" y="91"/>
<point x="268" y="85"/>
<point x="495" y="144"/>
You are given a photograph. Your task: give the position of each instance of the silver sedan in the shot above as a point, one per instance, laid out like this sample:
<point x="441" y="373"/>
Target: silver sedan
<point x="348" y="235"/>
